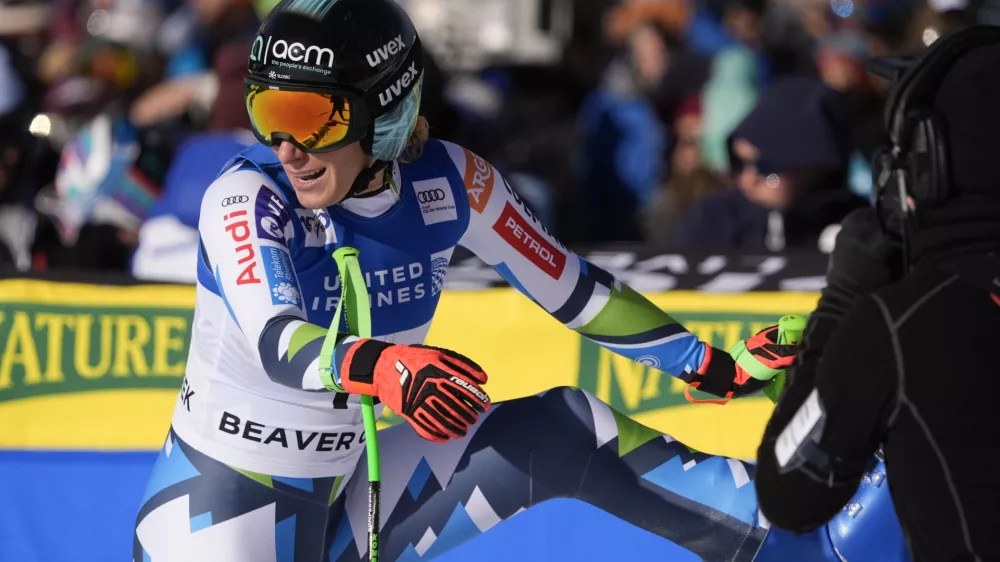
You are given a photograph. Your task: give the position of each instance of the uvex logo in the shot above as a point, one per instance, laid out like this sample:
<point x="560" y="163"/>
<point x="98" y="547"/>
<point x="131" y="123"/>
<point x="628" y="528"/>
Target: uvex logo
<point x="404" y="82"/>
<point x="295" y="52"/>
<point x="390" y="49"/>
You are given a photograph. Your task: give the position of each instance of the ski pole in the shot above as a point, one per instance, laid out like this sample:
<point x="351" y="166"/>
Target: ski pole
<point x="354" y="301"/>
<point x="791" y="329"/>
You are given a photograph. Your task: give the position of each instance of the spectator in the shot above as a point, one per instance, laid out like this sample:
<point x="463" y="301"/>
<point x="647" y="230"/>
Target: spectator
<point x="167" y="248"/>
<point x="25" y="161"/>
<point x="168" y="240"/>
<point x="229" y="111"/>
<point x="719" y="24"/>
<point x="224" y="24"/>
<point x="689" y="179"/>
<point x="790" y="29"/>
<point x="99" y="50"/>
<point x="624" y="140"/>
<point x="686" y="70"/>
<point x="841" y="60"/>
<point x="729" y="95"/>
<point x="105" y="187"/>
<point x="889" y="27"/>
<point x="789" y="160"/>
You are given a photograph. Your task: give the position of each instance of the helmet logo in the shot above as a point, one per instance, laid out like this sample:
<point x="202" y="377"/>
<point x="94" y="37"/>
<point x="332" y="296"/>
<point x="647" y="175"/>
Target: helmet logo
<point x="257" y="50"/>
<point x="282" y="52"/>
<point x="401" y="85"/>
<point x="383" y="53"/>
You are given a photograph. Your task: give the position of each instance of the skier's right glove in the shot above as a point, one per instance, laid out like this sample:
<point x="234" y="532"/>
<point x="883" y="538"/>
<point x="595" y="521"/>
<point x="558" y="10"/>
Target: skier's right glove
<point x="435" y="390"/>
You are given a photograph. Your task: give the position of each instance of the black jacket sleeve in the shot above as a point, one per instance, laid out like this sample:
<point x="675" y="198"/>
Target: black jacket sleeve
<point x="851" y="365"/>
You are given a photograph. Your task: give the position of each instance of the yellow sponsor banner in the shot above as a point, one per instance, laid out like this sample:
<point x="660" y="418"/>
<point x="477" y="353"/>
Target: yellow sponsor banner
<point x="90" y="367"/>
<point x="98" y="367"/>
<point x="525" y="351"/>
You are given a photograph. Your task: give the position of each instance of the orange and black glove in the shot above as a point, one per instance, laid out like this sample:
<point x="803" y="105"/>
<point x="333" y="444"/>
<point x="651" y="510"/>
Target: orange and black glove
<point x="746" y="368"/>
<point x="437" y="391"/>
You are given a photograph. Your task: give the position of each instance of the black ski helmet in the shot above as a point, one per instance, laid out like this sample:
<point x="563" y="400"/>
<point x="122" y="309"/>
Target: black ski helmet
<point x="368" y="47"/>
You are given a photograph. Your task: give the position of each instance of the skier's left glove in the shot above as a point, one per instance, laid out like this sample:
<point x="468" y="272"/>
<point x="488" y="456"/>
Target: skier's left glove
<point x="437" y="391"/>
<point x="746" y="368"/>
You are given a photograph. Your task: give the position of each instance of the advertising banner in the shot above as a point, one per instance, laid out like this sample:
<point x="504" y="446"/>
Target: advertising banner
<point x="97" y="367"/>
<point x="90" y="373"/>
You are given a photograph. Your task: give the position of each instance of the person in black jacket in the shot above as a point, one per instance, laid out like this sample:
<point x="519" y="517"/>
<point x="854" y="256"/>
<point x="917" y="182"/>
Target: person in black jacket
<point x="900" y="352"/>
<point x="789" y="160"/>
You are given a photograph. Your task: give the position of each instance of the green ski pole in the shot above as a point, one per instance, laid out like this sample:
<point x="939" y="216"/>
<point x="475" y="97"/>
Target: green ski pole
<point x="359" y="323"/>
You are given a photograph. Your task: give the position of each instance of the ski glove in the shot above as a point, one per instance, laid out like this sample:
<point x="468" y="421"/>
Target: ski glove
<point x="746" y="368"/>
<point x="435" y="390"/>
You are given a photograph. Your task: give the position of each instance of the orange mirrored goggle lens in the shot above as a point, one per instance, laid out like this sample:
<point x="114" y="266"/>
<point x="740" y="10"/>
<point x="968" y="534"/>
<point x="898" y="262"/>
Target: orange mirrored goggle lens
<point x="314" y="120"/>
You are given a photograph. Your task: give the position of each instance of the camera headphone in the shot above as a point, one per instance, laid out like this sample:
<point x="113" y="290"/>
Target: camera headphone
<point x="915" y="161"/>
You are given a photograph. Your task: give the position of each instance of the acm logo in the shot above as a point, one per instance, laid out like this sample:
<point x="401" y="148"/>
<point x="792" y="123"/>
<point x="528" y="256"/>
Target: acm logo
<point x="261" y="51"/>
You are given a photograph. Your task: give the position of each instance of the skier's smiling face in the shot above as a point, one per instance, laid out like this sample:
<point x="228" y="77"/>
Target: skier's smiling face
<point x="324" y="179"/>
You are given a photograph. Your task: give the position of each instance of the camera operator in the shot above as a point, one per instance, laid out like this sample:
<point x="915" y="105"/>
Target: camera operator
<point x="903" y="341"/>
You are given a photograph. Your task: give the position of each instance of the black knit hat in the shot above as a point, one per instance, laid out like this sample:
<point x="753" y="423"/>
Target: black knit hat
<point x="969" y="102"/>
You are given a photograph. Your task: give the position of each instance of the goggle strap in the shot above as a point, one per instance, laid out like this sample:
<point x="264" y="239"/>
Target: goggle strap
<point x="365" y="177"/>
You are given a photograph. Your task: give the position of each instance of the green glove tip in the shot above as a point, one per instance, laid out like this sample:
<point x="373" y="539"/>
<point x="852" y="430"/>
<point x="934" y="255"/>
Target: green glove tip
<point x="791" y="329"/>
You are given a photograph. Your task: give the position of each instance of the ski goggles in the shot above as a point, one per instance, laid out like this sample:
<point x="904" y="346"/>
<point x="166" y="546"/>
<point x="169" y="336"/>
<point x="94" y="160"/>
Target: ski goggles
<point x="312" y="120"/>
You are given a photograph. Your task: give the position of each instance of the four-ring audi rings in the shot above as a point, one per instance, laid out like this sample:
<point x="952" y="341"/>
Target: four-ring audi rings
<point x="430" y="196"/>
<point x="234" y="200"/>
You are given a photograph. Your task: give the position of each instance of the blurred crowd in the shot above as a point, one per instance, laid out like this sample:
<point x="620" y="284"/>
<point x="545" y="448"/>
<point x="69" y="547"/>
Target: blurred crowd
<point x="724" y="124"/>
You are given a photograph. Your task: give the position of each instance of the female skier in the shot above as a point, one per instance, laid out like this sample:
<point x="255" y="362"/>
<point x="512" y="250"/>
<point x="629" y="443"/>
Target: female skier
<point x="261" y="460"/>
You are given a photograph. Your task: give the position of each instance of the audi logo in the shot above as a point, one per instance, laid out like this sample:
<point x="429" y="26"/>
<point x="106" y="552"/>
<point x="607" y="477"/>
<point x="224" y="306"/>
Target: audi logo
<point x="234" y="200"/>
<point x="430" y="196"/>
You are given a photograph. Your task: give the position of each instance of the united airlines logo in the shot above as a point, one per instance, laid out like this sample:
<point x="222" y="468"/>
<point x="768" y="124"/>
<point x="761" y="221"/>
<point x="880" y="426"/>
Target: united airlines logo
<point x="439" y="269"/>
<point x="391" y="286"/>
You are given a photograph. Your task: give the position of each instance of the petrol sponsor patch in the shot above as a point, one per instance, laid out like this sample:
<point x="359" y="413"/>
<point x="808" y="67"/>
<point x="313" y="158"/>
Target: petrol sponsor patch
<point x="280" y="276"/>
<point x="479" y="180"/>
<point x="522" y="236"/>
<point x="271" y="217"/>
<point x="437" y="202"/>
<point x="526" y="211"/>
<point x="318" y="227"/>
